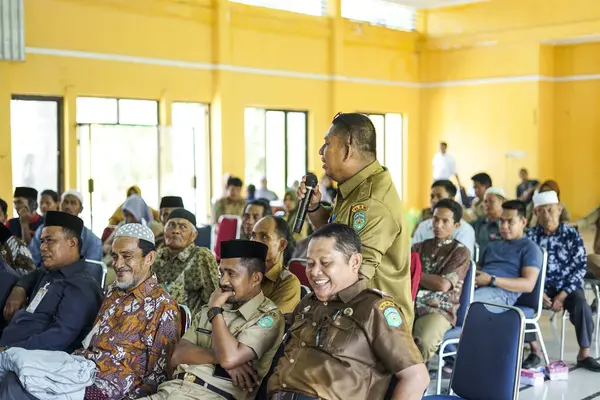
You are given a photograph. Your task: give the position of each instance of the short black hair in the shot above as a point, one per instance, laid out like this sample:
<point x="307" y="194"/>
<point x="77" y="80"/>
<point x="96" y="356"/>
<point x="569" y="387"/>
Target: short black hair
<point x="264" y="203"/>
<point x="444" y="144"/>
<point x="4" y="207"/>
<point x="517" y="205"/>
<point x="50" y="193"/>
<point x="482" y="178"/>
<point x="254" y="265"/>
<point x="347" y="240"/>
<point x="251" y="188"/>
<point x="70" y="233"/>
<point x="146" y="247"/>
<point x="233" y="181"/>
<point x="360" y="130"/>
<point x="447" y="185"/>
<point x="281" y="226"/>
<point x="452" y="206"/>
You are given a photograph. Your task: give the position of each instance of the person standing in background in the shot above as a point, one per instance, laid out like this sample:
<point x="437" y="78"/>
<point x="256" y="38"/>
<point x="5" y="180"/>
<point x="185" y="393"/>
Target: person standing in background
<point x="264" y="192"/>
<point x="444" y="166"/>
<point x="232" y="203"/>
<point x="526" y="187"/>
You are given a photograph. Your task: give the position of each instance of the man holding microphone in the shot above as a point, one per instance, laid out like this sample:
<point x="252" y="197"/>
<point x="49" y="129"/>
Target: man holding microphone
<point x="368" y="202"/>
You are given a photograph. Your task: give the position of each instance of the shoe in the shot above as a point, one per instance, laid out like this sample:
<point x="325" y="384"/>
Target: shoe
<point x="590" y="364"/>
<point x="532" y="361"/>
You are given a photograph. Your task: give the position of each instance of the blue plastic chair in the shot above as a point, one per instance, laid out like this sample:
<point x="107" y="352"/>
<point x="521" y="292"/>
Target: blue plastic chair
<point x="488" y="363"/>
<point x="98" y="271"/>
<point x="452" y="335"/>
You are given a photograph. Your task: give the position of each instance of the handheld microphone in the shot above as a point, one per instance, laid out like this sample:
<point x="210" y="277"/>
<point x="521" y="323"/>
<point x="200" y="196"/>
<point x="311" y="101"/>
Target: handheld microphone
<point x="311" y="183"/>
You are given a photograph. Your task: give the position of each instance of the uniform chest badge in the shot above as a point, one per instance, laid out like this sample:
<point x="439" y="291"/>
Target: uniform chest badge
<point x="348" y="312"/>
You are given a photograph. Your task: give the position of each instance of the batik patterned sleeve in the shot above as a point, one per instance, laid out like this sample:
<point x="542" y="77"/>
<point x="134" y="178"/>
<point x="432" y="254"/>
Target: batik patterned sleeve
<point x="203" y="275"/>
<point x="578" y="264"/>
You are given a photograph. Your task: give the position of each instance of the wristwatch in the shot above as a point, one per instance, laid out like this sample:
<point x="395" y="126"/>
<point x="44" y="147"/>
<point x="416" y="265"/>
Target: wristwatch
<point x="213" y="312"/>
<point x="493" y="281"/>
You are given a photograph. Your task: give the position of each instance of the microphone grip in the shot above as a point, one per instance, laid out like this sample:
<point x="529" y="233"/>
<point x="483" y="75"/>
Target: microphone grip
<point x="302" y="209"/>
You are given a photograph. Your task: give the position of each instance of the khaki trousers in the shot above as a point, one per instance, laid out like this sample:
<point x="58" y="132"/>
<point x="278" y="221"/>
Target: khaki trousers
<point x="183" y="390"/>
<point x="428" y="332"/>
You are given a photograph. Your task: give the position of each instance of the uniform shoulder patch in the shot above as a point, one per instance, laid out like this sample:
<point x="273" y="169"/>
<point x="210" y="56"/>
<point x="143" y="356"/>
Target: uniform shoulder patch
<point x="359" y="220"/>
<point x="379" y="292"/>
<point x="392" y="317"/>
<point x="266" y="322"/>
<point x="385" y="304"/>
<point x="359" y="207"/>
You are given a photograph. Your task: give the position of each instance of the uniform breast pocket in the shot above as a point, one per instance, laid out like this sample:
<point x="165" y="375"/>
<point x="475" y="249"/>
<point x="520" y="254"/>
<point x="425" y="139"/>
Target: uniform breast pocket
<point x="339" y="333"/>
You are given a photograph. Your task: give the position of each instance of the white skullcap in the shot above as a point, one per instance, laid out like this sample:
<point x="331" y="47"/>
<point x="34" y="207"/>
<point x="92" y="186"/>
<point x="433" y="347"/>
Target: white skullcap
<point x="72" y="192"/>
<point x="136" y="231"/>
<point x="495" y="190"/>
<point x="545" y="198"/>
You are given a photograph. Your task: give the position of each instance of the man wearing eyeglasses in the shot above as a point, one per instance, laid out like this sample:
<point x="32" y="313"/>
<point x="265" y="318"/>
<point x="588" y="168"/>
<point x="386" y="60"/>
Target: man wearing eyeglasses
<point x="367" y="201"/>
<point x="346" y="341"/>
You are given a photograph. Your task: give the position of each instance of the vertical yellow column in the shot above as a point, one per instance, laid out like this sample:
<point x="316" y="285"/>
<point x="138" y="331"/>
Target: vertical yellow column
<point x="5" y="144"/>
<point x="545" y="115"/>
<point x="334" y="11"/>
<point x="70" y="148"/>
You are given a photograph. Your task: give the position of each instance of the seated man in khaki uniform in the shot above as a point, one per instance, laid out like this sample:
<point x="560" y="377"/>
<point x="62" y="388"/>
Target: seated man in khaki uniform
<point x="238" y="330"/>
<point x="279" y="285"/>
<point x="346" y="341"/>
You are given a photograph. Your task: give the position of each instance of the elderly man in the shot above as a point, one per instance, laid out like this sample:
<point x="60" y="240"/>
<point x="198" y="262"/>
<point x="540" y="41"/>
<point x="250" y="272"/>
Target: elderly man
<point x="233" y="203"/>
<point x="445" y="263"/>
<point x="464" y="233"/>
<point x="28" y="220"/>
<point x="279" y="285"/>
<point x="238" y="331"/>
<point x="189" y="273"/>
<point x="341" y="319"/>
<point x="15" y="253"/>
<point x="254" y="211"/>
<point x="367" y="201"/>
<point x="91" y="245"/>
<point x="564" y="277"/>
<point x="63" y="298"/>
<point x="487" y="228"/>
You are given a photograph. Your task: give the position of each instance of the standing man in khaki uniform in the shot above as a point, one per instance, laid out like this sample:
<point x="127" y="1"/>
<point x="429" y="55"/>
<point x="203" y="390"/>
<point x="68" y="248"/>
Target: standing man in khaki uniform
<point x="592" y="220"/>
<point x="239" y="330"/>
<point x="346" y="341"/>
<point x="367" y="201"/>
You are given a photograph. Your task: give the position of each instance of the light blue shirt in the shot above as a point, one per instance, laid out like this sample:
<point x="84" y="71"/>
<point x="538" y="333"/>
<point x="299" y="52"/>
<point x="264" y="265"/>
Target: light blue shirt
<point x="464" y="234"/>
<point x="91" y="248"/>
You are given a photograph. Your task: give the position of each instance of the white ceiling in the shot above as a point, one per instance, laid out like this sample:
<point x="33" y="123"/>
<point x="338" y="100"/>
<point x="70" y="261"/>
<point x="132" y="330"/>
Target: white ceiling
<point x="434" y="3"/>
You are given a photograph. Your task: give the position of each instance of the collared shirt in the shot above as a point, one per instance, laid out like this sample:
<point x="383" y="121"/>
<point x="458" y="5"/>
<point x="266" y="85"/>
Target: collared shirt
<point x="190" y="277"/>
<point x="486" y="231"/>
<point x="444" y="166"/>
<point x="130" y="340"/>
<point x="464" y="234"/>
<point x="70" y="299"/>
<point x="345" y="348"/>
<point x="91" y="246"/>
<point x="266" y="194"/>
<point x="282" y="288"/>
<point x="448" y="259"/>
<point x="257" y="324"/>
<point x="369" y="203"/>
<point x="226" y="206"/>
<point x="567" y="260"/>
<point x="17" y="256"/>
<point x="14" y="224"/>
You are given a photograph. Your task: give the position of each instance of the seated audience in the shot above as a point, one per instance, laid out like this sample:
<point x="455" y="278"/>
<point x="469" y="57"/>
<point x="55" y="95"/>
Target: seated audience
<point x="251" y="193"/>
<point x="487" y="228"/>
<point x="61" y="299"/>
<point x="188" y="272"/>
<point x="233" y="203"/>
<point x="238" y="331"/>
<point x="279" y="285"/>
<point x="168" y="204"/>
<point x="91" y="246"/>
<point x="14" y="253"/>
<point x="547" y="186"/>
<point x="564" y="277"/>
<point x="118" y="216"/>
<point x="3" y="212"/>
<point x="254" y="211"/>
<point x="264" y="192"/>
<point x="48" y="201"/>
<point x="346" y="341"/>
<point x="481" y="183"/>
<point x="290" y="202"/>
<point x="509" y="266"/>
<point x="526" y="187"/>
<point x="592" y="220"/>
<point x="27" y="220"/>
<point x="424" y="230"/>
<point x="445" y="262"/>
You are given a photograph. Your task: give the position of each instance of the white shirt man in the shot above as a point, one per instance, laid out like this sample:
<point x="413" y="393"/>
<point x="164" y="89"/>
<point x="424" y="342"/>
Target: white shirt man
<point x="444" y="166"/>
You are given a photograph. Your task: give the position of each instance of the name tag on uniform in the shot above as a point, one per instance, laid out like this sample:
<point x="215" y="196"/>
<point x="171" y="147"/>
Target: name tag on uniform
<point x="38" y="298"/>
<point x="205" y="331"/>
<point x="88" y="339"/>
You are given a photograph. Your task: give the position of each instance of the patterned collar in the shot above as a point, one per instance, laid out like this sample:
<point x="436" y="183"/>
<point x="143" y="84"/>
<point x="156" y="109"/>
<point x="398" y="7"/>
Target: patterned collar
<point x="182" y="256"/>
<point x="539" y="230"/>
<point x="141" y="291"/>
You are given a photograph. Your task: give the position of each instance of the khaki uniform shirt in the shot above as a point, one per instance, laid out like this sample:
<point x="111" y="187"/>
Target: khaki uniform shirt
<point x="370" y="204"/>
<point x="190" y="277"/>
<point x="225" y="206"/>
<point x="346" y="348"/>
<point x="282" y="288"/>
<point x="257" y="324"/>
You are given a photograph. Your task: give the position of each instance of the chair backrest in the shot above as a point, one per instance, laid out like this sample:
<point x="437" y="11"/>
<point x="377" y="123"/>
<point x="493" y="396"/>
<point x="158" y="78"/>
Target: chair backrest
<point x="106" y="233"/>
<point x="229" y="227"/>
<point x="468" y="292"/>
<point x="476" y="251"/>
<point x="304" y="290"/>
<point x="416" y="270"/>
<point x="98" y="271"/>
<point x="488" y="360"/>
<point x="297" y="266"/>
<point x="535" y="299"/>
<point x="204" y="238"/>
<point x="186" y="318"/>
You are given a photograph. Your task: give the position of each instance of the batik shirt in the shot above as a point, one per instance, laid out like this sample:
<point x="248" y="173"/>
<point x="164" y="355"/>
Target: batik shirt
<point x="190" y="277"/>
<point x="17" y="256"/>
<point x="130" y="339"/>
<point x="449" y="259"/>
<point x="567" y="260"/>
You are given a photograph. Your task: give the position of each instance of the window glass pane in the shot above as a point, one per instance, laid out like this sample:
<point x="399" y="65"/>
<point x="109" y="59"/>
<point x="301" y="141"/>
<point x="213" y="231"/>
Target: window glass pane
<point x="380" y="12"/>
<point x="393" y="148"/>
<point x="138" y="112"/>
<point x="34" y="143"/>
<point x="310" y="7"/>
<point x="255" y="145"/>
<point x="96" y="110"/>
<point x="379" y="122"/>
<point x="275" y="130"/>
<point x="296" y="147"/>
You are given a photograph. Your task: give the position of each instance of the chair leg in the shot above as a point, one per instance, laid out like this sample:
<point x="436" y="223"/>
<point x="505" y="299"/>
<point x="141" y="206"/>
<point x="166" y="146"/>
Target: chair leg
<point x="438" y="386"/>
<point x="563" y="334"/>
<point x="553" y="325"/>
<point x="541" y="339"/>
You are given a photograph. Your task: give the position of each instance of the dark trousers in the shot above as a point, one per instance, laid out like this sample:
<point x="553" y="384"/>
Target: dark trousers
<point x="11" y="389"/>
<point x="580" y="314"/>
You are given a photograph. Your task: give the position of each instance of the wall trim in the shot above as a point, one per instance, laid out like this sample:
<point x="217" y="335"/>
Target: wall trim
<point x="304" y="75"/>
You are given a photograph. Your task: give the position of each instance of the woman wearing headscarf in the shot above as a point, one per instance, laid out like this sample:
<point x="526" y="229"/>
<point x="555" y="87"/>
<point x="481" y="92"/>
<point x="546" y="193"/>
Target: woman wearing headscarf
<point x="117" y="217"/>
<point x="546" y="187"/>
<point x="290" y="202"/>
